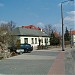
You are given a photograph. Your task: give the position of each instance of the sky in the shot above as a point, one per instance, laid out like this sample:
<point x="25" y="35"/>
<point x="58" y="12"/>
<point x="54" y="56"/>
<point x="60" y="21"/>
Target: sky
<point x="37" y="12"/>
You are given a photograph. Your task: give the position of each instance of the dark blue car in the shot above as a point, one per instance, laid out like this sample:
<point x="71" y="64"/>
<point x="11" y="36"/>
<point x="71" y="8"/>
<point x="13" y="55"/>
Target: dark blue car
<point x="22" y="48"/>
<point x="26" y="47"/>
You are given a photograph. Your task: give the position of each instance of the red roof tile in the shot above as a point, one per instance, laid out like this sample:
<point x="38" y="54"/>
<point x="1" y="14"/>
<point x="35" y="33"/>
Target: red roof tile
<point x="31" y="27"/>
<point x="73" y="32"/>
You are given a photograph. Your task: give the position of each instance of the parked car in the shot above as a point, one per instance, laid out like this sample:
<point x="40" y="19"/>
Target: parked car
<point x="22" y="48"/>
<point x="25" y="48"/>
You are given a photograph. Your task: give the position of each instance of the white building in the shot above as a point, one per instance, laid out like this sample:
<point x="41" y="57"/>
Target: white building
<point x="74" y="40"/>
<point x="31" y="36"/>
<point x="73" y="37"/>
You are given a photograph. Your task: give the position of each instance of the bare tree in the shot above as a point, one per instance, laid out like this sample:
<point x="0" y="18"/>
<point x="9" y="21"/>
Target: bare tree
<point x="48" y="29"/>
<point x="54" y="29"/>
<point x="6" y="35"/>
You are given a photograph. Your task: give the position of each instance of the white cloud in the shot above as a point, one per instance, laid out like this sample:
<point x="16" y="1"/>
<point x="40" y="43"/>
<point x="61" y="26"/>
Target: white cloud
<point x="70" y="17"/>
<point x="69" y="21"/>
<point x="1" y="5"/>
<point x="71" y="12"/>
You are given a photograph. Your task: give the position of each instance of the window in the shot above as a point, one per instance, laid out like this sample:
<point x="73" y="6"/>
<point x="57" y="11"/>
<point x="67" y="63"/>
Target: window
<point x="32" y="39"/>
<point x="42" y="40"/>
<point x="35" y="40"/>
<point x="25" y="40"/>
<point x="46" y="40"/>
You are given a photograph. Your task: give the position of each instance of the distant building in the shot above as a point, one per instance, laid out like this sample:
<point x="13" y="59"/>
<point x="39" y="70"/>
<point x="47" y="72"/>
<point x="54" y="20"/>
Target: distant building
<point x="32" y="35"/>
<point x="72" y="33"/>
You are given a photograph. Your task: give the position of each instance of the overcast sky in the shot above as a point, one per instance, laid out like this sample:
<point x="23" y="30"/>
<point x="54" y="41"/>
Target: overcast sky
<point x="37" y="12"/>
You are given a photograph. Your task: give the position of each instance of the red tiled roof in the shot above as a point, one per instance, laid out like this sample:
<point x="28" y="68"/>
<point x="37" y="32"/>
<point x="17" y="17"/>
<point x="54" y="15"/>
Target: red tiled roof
<point x="31" y="27"/>
<point x="73" y="32"/>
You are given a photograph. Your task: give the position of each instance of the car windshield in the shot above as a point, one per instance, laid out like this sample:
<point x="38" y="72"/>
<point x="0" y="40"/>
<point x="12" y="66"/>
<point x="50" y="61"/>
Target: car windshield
<point x="25" y="45"/>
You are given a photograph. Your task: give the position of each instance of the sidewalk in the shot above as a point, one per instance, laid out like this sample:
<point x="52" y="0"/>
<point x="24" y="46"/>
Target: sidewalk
<point x="70" y="62"/>
<point x="64" y="64"/>
<point x="58" y="67"/>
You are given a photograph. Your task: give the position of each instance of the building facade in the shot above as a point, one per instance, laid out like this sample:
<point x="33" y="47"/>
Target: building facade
<point x="74" y="40"/>
<point x="31" y="36"/>
<point x="72" y="33"/>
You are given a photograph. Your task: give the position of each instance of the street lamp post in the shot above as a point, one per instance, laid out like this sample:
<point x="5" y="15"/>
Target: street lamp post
<point x="63" y="23"/>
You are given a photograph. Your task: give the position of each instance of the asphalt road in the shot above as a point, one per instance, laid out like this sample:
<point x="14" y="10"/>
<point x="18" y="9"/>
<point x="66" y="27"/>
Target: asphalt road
<point x="34" y="63"/>
<point x="37" y="63"/>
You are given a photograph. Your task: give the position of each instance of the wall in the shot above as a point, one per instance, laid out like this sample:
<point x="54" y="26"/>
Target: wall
<point x="74" y="39"/>
<point x="34" y="44"/>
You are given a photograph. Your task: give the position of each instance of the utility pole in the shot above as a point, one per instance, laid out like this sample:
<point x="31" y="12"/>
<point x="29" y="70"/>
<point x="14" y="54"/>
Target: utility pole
<point x="62" y="27"/>
<point x="63" y="22"/>
<point x="71" y="38"/>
